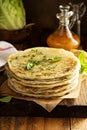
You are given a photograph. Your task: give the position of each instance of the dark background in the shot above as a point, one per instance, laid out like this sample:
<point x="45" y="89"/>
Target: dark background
<point x="43" y="14"/>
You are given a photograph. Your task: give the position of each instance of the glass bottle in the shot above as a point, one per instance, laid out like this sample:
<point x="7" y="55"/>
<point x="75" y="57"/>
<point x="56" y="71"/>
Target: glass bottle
<point x="79" y="10"/>
<point x="63" y="37"/>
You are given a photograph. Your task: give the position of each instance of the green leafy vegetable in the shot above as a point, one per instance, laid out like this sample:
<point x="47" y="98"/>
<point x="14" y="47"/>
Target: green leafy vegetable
<point x="6" y="99"/>
<point x="82" y="58"/>
<point x="12" y="14"/>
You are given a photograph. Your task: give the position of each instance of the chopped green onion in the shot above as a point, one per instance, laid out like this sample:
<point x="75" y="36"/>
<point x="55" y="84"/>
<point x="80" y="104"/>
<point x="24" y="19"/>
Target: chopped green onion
<point x="55" y="59"/>
<point x="30" y="66"/>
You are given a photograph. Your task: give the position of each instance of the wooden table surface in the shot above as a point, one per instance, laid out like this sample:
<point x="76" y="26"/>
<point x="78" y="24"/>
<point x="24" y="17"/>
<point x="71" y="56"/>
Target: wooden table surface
<point x="41" y="123"/>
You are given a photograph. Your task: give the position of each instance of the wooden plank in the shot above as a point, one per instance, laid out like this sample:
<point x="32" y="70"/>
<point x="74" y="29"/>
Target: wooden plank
<point x="36" y="123"/>
<point x="57" y="124"/>
<point x="78" y="123"/>
<point x="15" y="123"/>
<point x="6" y="123"/>
<point x="20" y="123"/>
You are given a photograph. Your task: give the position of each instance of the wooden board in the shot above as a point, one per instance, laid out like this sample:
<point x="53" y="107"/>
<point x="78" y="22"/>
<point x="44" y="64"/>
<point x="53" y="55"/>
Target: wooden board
<point x="66" y="108"/>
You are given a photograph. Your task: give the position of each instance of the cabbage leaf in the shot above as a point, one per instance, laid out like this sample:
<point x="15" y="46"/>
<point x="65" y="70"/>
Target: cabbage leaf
<point x="12" y="14"/>
<point x="83" y="61"/>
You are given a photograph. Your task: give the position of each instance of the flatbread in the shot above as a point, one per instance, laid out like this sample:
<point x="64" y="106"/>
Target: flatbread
<point x="44" y="85"/>
<point x="22" y="90"/>
<point x="39" y="81"/>
<point x="44" y="66"/>
<point x="43" y="73"/>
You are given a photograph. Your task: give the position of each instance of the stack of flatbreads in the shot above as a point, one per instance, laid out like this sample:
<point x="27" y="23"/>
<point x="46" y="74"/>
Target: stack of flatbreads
<point x="43" y="73"/>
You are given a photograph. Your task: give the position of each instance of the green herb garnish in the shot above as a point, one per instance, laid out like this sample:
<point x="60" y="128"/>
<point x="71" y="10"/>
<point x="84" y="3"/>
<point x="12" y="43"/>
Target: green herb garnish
<point x="55" y="59"/>
<point x="44" y="61"/>
<point x="37" y="52"/>
<point x="30" y="66"/>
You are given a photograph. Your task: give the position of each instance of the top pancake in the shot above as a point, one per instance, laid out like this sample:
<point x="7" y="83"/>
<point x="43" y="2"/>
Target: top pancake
<point x="43" y="63"/>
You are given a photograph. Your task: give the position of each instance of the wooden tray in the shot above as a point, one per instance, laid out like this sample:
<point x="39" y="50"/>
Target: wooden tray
<point x="66" y="108"/>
